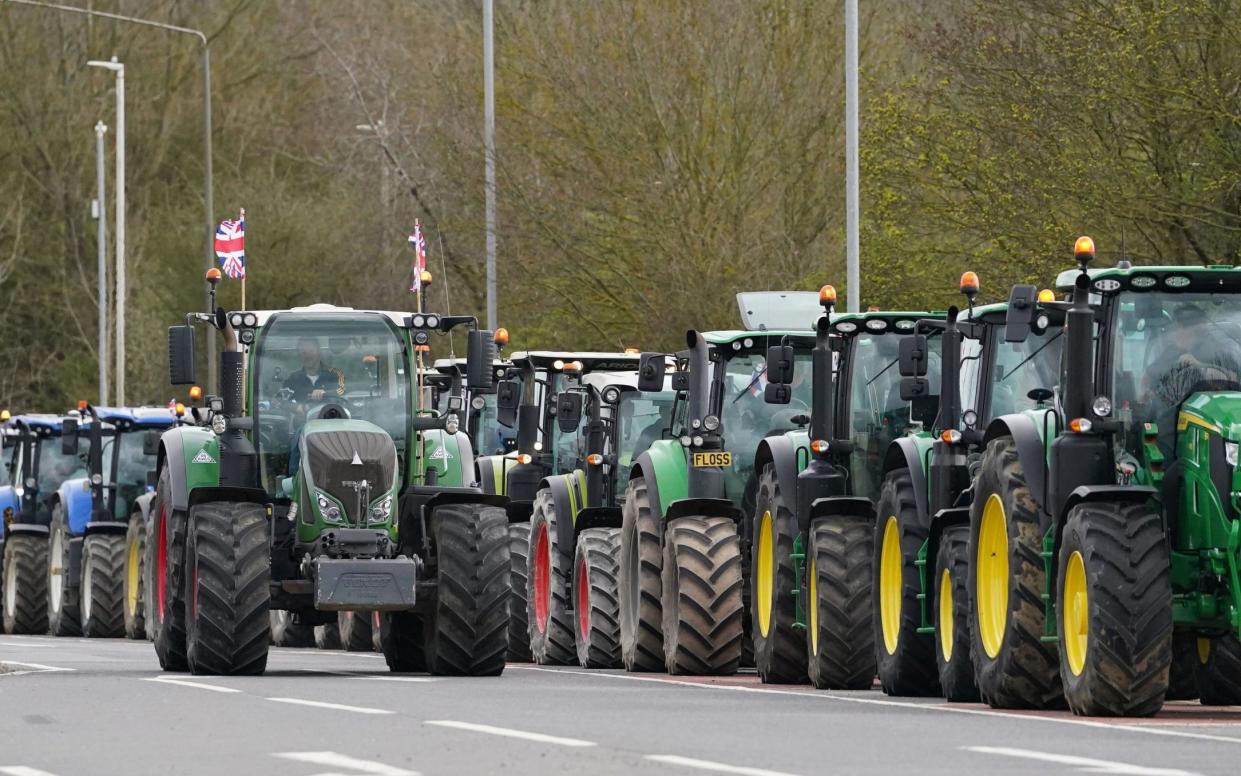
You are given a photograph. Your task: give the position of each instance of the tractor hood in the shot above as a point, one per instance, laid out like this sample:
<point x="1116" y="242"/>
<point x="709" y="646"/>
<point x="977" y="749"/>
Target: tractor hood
<point x="1220" y="411"/>
<point x="351" y="462"/>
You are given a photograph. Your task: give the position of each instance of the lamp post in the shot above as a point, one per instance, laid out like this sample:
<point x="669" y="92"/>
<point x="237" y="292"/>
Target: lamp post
<point x="119" y="70"/>
<point x="852" y="204"/>
<point x="102" y="283"/>
<point x="489" y="143"/>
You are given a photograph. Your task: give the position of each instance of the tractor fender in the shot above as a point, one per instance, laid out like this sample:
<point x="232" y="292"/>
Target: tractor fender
<point x="907" y="453"/>
<point x="75" y="497"/>
<point x="142" y="505"/>
<point x="786" y="456"/>
<point x="940" y="522"/>
<point x="565" y="503"/>
<point x="450" y="455"/>
<point x="204" y="494"/>
<point x="857" y="506"/>
<point x="666" y="473"/>
<point x="702" y="507"/>
<point x="9" y="506"/>
<point x="192" y="456"/>
<point x="597" y="517"/>
<point x="28" y="528"/>
<point x="1030" y="451"/>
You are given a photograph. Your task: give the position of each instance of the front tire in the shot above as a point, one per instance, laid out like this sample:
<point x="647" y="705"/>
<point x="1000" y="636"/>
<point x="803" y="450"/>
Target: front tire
<point x="63" y="600"/>
<point x="1219" y="670"/>
<point x="356" y="631"/>
<point x="25" y="584"/>
<point x="327" y="636"/>
<point x="102" y="587"/>
<point x="952" y="616"/>
<point x="779" y="645"/>
<point x="641" y="585"/>
<point x="403" y="641"/>
<point x="702" y="609"/>
<point x="840" y="641"/>
<point x="286" y="631"/>
<point x="547" y="589"/>
<point x="134" y="587"/>
<point x="597" y="597"/>
<point x="518" y="620"/>
<point x="228" y="591"/>
<point x="167" y="563"/>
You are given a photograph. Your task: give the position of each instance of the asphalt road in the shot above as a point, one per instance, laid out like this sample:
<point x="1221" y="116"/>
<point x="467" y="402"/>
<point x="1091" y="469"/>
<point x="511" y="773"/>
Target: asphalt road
<point x="73" y="706"/>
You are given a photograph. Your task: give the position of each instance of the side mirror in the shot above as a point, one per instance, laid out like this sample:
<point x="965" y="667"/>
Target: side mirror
<point x="777" y="394"/>
<point x="455" y="403"/>
<point x="651" y="372"/>
<point x="181" y="355"/>
<point x="780" y="365"/>
<point x="915" y="388"/>
<point x="1021" y="305"/>
<point x="508" y="396"/>
<point x="680" y="381"/>
<point x="478" y="363"/>
<point x="912" y="356"/>
<point x="150" y="443"/>
<point x="569" y="411"/>
<point x="69" y="436"/>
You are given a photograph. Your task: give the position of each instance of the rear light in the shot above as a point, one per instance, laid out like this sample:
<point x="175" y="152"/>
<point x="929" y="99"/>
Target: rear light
<point x="594" y="459"/>
<point x="819" y="446"/>
<point x="951" y="436"/>
<point x="1080" y="425"/>
<point x="524" y="458"/>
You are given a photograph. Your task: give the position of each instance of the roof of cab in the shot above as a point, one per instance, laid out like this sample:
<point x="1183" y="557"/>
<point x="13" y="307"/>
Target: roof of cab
<point x="591" y="360"/>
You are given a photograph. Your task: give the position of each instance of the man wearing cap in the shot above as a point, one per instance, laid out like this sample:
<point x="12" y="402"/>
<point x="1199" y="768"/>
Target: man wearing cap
<point x="314" y="381"/>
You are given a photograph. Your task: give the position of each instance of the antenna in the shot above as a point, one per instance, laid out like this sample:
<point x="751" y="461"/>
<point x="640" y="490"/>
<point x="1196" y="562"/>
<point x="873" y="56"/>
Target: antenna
<point x="1124" y="262"/>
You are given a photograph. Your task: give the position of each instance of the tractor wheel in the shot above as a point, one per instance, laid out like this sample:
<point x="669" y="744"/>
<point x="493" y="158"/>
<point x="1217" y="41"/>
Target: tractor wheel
<point x="402" y="640"/>
<point x="1219" y="670"/>
<point x="286" y="631"/>
<point x="1014" y="668"/>
<point x="134" y="578"/>
<point x="597" y="598"/>
<point x="63" y="598"/>
<point x="548" y="589"/>
<point x="356" y="631"/>
<point x="702" y="597"/>
<point x="518" y="621"/>
<point x="25" y="584"/>
<point x="906" y="658"/>
<point x="467" y="629"/>
<point x="1183" y="674"/>
<point x="641" y="585"/>
<point x="1114" y="602"/>
<point x="840" y="642"/>
<point x="779" y="645"/>
<point x="952" y="616"/>
<point x="327" y="636"/>
<point x="376" y="625"/>
<point x="149" y="548"/>
<point x="103" y="586"/>
<point x="166" y="559"/>
<point x="228" y="589"/>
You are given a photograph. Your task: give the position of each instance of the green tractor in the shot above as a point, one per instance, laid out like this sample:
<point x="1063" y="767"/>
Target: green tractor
<point x="1105" y="530"/>
<point x="317" y="484"/>
<point x="921" y="541"/>
<point x="689" y="497"/>
<point x="602" y="423"/>
<point x="814" y="513"/>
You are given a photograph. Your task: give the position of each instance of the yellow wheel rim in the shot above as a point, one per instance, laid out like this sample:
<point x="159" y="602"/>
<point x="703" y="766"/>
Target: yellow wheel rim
<point x="1076" y="630"/>
<point x="1204" y="650"/>
<point x="764" y="568"/>
<point x="991" y="586"/>
<point x="890" y="563"/>
<point x="814" y="606"/>
<point x="131" y="572"/>
<point x="945" y="615"/>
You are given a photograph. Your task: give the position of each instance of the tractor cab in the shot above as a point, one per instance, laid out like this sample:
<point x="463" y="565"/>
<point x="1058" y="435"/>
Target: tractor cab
<point x="482" y="424"/>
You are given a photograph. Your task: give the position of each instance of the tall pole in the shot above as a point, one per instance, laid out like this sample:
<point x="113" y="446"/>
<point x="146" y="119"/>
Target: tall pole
<point x="489" y="141"/>
<point x="120" y="233"/>
<point x="208" y="242"/>
<point x="853" y="273"/>
<point x="102" y="240"/>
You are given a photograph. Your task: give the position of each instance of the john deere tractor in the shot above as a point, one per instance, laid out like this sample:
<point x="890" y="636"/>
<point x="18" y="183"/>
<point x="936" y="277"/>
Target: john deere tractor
<point x="685" y="523"/>
<point x="93" y="553"/>
<point x="814" y="513"/>
<point x="1105" y="529"/>
<point x="319" y="485"/>
<point x="921" y="540"/>
<point x="29" y="499"/>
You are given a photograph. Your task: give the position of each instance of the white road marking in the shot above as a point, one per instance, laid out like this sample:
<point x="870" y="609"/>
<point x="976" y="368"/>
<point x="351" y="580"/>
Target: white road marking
<point x="708" y="765"/>
<point x="338" y="760"/>
<point x="372" y="677"/>
<point x="949" y="709"/>
<point x="188" y="683"/>
<point x="336" y="706"/>
<point x="37" y="668"/>
<point x="510" y="733"/>
<point x="1083" y="764"/>
<point x="23" y="644"/>
<point x="22" y="770"/>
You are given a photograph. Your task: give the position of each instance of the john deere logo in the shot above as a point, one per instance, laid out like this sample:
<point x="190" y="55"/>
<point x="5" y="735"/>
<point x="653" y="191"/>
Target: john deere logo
<point x="441" y="454"/>
<point x="203" y="457"/>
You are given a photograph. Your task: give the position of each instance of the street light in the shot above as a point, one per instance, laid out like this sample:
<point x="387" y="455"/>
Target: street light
<point x="99" y="212"/>
<point x="119" y="70"/>
<point x="489" y="146"/>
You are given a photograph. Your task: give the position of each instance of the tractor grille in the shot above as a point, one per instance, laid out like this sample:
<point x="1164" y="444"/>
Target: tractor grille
<point x="331" y="456"/>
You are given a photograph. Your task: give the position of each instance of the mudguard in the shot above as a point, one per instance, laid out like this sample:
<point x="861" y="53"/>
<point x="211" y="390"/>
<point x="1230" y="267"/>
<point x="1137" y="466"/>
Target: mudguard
<point x="10" y="506"/>
<point x="911" y="452"/>
<point x="450" y="455"/>
<point x="702" y="507"/>
<point x="666" y="472"/>
<point x="204" y="493"/>
<point x="790" y="452"/>
<point x="597" y="517"/>
<point x="1027" y="429"/>
<point x="142" y="505"/>
<point x="858" y="506"/>
<point x="941" y="521"/>
<point x="74" y="496"/>
<point x="565" y="501"/>
<point x="193" y="458"/>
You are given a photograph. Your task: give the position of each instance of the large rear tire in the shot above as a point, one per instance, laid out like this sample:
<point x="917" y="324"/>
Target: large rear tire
<point x="906" y="658"/>
<point x="1183" y="674"/>
<point x="547" y="589"/>
<point x="63" y="594"/>
<point x="403" y="641"/>
<point x="286" y="631"/>
<point x="356" y="631"/>
<point x="1219" y="670"/>
<point x="779" y="645"/>
<point x="25" y="584"/>
<point x="102" y="587"/>
<point x="1014" y="667"/>
<point x="597" y="598"/>
<point x="167" y="562"/>
<point x="702" y="610"/>
<point x="952" y="615"/>
<point x="228" y="591"/>
<point x="1114" y="603"/>
<point x="518" y="621"/>
<point x="468" y="628"/>
<point x="134" y="587"/>
<point x="641" y="585"/>
<point x="840" y="640"/>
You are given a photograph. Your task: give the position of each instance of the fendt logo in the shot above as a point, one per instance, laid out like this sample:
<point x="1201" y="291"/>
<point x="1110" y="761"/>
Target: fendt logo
<point x="203" y="457"/>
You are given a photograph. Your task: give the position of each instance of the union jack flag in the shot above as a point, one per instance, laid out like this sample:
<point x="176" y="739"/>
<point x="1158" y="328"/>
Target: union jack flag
<point x="230" y="246"/>
<point x="420" y="261"/>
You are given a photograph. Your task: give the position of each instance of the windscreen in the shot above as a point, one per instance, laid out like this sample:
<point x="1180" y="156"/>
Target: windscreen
<point x="491" y="438"/>
<point x="1022" y="367"/>
<point x="131" y="473"/>
<point x="641" y="419"/>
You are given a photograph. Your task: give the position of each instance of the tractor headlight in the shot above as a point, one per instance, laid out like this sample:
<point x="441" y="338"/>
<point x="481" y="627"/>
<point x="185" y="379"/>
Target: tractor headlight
<point x="326" y="507"/>
<point x="97" y="479"/>
<point x="697" y="441"/>
<point x="686" y="441"/>
<point x="711" y="423"/>
<point x="382" y="510"/>
<point x="1102" y="406"/>
<point x="478" y="402"/>
<point x="433" y="321"/>
<point x="219" y="424"/>
<point x="451" y="424"/>
<point x="250" y="319"/>
<point x="1230" y="453"/>
<point x="419" y="321"/>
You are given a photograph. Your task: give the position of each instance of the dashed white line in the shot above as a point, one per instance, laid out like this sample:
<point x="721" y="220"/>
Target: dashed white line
<point x="335" y="706"/>
<point x="36" y="668"/>
<point x="338" y="760"/>
<point x="708" y="765"/>
<point x="23" y="770"/>
<point x="187" y="683"/>
<point x="1083" y="764"/>
<point x="541" y="738"/>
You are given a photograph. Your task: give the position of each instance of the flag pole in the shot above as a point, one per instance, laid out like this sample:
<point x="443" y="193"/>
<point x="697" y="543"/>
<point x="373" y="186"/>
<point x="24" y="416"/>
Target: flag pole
<point x="245" y="270"/>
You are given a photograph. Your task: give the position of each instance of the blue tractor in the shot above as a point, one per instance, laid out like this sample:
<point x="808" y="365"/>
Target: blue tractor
<point x="29" y="495"/>
<point x="95" y="537"/>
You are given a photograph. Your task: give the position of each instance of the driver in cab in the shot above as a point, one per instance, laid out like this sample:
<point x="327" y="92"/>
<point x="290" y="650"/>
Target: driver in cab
<point x="314" y="381"/>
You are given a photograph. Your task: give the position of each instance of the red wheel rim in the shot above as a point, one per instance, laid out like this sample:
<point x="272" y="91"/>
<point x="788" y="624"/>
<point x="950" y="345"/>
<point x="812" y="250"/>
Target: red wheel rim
<point x="161" y="560"/>
<point x="583" y="600"/>
<point x="542" y="578"/>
